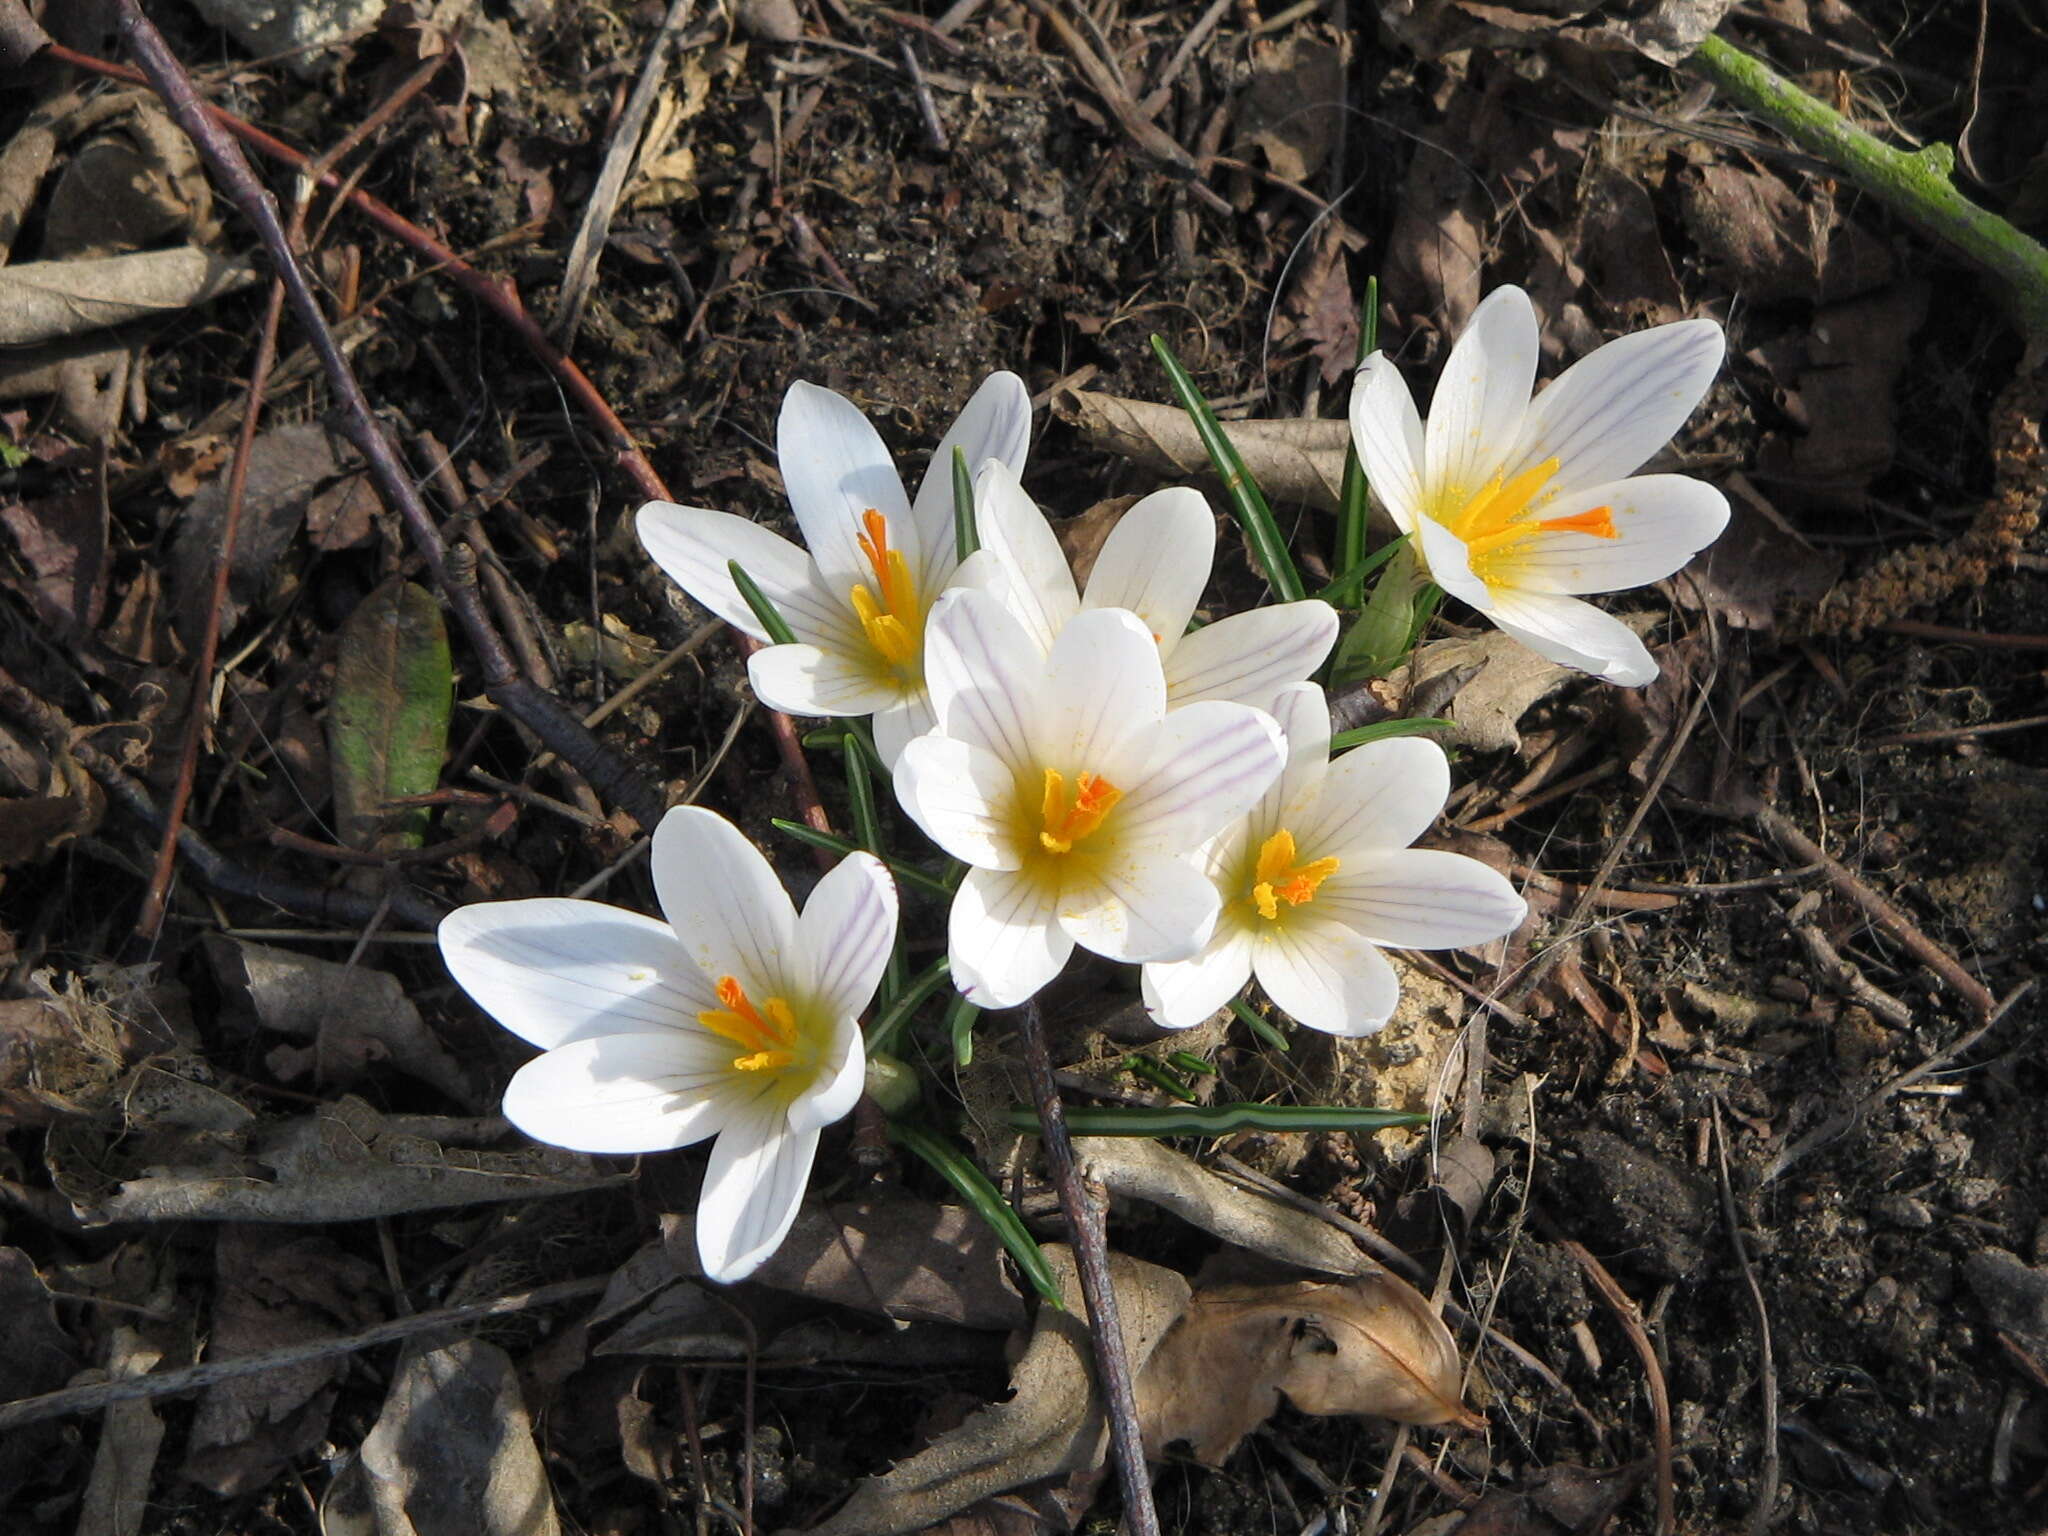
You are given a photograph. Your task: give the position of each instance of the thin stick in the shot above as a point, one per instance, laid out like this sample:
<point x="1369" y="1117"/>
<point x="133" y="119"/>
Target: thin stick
<point x="1767" y="1480"/>
<point x="193" y="1378"/>
<point x="1631" y="1319"/>
<point x="1091" y="1258"/>
<point x="1957" y="732"/>
<point x="580" y="269"/>
<point x="151" y="917"/>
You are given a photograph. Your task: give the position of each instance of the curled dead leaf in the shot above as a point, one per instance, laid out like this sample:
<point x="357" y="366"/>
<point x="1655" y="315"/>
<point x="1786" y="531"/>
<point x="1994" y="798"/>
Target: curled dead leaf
<point x="1293" y="460"/>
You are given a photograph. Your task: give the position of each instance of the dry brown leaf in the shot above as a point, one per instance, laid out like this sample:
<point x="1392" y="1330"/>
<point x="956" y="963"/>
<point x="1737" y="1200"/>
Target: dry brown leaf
<point x="1759" y="565"/>
<point x="117" y="1494"/>
<point x="1294" y="460"/>
<point x="1370" y="1345"/>
<point x="268" y="1294"/>
<point x="1051" y="1425"/>
<point x="40" y="1357"/>
<point x="1138" y="1168"/>
<point x="344" y="1162"/>
<point x="1503" y="680"/>
<point x="137" y="184"/>
<point x="63" y="541"/>
<point x="352" y="1018"/>
<point x="899" y="1257"/>
<point x="452" y="1454"/>
<point x="1292" y="109"/>
<point x="1437" y="248"/>
<point x="43" y="301"/>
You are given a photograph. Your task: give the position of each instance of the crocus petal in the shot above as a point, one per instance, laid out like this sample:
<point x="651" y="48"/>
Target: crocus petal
<point x="1156" y="562"/>
<point x="1610" y="411"/>
<point x="1384" y="794"/>
<point x="1146" y="904"/>
<point x="1660" y="522"/>
<point x="1250" y="656"/>
<point x="1210" y="764"/>
<point x="696" y="546"/>
<point x="900" y="722"/>
<point x="1102" y="697"/>
<point x="983" y="671"/>
<point x="805" y="680"/>
<point x="1420" y="898"/>
<point x="840" y="1083"/>
<point x="961" y="798"/>
<point x="1303" y="715"/>
<point x="836" y="469"/>
<point x="752" y="1188"/>
<point x="624" y="1093"/>
<point x="553" y="970"/>
<point x="1475" y="416"/>
<point x="1449" y="564"/>
<point x="1003" y="942"/>
<point x="1326" y="976"/>
<point x="1574" y="634"/>
<point x="847" y="927"/>
<point x="1180" y="994"/>
<point x="728" y="910"/>
<point x="1038" y="586"/>
<point x="1387" y="431"/>
<point x="996" y="424"/>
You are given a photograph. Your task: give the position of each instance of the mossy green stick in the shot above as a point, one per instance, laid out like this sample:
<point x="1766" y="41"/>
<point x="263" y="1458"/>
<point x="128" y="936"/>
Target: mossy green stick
<point x="1913" y="183"/>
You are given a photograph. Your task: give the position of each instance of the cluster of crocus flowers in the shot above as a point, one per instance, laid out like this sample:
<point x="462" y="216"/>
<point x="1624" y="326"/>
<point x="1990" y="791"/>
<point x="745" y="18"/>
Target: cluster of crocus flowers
<point x="1113" y="776"/>
<point x="737" y="1018"/>
<point x="1520" y="507"/>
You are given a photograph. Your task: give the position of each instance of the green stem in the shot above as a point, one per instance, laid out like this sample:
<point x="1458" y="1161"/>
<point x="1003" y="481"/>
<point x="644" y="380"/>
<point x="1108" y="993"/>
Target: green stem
<point x="972" y="1185"/>
<point x="867" y="831"/>
<point x="1915" y="184"/>
<point x="907" y="873"/>
<point x="764" y="606"/>
<point x="1351" y="500"/>
<point x="889" y="1023"/>
<point x="966" y="533"/>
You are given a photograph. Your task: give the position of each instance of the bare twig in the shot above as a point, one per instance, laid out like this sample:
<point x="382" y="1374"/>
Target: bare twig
<point x="1091" y="1259"/>
<point x="580" y="269"/>
<point x="1631" y="1320"/>
<point x="193" y="1378"/>
<point x="1767" y="1480"/>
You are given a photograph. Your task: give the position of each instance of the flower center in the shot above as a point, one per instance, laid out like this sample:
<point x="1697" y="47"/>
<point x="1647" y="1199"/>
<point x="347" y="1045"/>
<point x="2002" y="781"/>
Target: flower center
<point x="766" y="1035"/>
<point x="890" y="619"/>
<point x="1496" y="522"/>
<point x="1279" y="878"/>
<point x="1064" y="821"/>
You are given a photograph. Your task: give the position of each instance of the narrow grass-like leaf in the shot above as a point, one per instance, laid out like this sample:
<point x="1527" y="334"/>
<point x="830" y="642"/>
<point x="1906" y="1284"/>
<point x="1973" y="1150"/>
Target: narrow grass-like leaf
<point x="907" y="873"/>
<point x="966" y="533"/>
<point x="972" y="1185"/>
<point x="1380" y="637"/>
<point x="1219" y="1119"/>
<point x="387" y="729"/>
<point x="960" y="1017"/>
<point x="1386" y="729"/>
<point x="1352" y="492"/>
<point x="1344" y="590"/>
<point x="1160" y="1077"/>
<point x="1190" y="1063"/>
<point x="867" y="829"/>
<point x="1247" y="502"/>
<point x="1263" y="1028"/>
<point x="764" y="610"/>
<point x="889" y="1023"/>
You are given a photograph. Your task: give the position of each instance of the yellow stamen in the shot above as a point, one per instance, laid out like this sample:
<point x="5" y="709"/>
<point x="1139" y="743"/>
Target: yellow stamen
<point x="890" y="621"/>
<point x="1065" y="824"/>
<point x="1278" y="878"/>
<point x="1496" y="521"/>
<point x="767" y="1034"/>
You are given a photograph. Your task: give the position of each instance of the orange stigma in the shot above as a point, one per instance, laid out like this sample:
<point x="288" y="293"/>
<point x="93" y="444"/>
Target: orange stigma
<point x="1278" y="878"/>
<point x="890" y="620"/>
<point x="1496" y="521"/>
<point x="766" y="1034"/>
<point x="1065" y="823"/>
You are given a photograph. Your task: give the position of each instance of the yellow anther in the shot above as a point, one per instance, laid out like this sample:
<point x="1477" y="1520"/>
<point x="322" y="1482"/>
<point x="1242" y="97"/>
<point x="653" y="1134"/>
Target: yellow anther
<point x="890" y="620"/>
<point x="1278" y="878"/>
<point x="767" y="1034"/>
<point x="1496" y="521"/>
<point x="1064" y="823"/>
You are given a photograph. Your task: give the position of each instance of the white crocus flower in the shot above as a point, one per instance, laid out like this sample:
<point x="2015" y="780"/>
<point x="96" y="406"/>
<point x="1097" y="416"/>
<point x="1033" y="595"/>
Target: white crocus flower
<point x="877" y="561"/>
<point x="1155" y="563"/>
<point x="736" y="1018"/>
<point x="1074" y="796"/>
<point x="1320" y="875"/>
<point x="1516" y="505"/>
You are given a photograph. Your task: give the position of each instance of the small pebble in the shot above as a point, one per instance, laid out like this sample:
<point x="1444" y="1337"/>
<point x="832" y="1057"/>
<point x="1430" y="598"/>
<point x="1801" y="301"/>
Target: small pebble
<point x="1904" y="1211"/>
